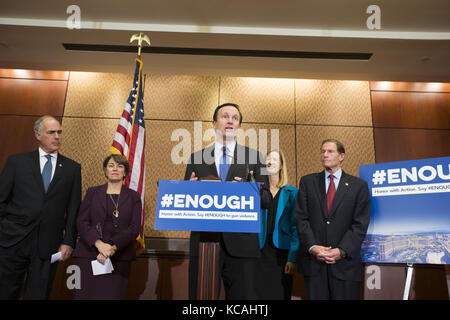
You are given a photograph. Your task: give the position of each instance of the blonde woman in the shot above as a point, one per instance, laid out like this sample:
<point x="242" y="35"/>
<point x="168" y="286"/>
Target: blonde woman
<point x="278" y="237"/>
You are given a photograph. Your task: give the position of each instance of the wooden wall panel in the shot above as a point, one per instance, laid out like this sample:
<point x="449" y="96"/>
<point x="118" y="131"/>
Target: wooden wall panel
<point x="411" y="109"/>
<point x="34" y="74"/>
<point x="410" y="86"/>
<point x="32" y="97"/>
<point x="408" y="144"/>
<point x="25" y="95"/>
<point x="18" y="136"/>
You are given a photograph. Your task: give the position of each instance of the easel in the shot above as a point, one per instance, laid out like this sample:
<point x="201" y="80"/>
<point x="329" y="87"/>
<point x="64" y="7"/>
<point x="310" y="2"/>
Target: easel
<point x="408" y="281"/>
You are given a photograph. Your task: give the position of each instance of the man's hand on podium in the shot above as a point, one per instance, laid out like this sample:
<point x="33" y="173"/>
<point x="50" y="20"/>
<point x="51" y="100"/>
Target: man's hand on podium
<point x="193" y="177"/>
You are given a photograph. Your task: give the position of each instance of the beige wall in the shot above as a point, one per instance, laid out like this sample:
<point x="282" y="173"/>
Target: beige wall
<point x="303" y="111"/>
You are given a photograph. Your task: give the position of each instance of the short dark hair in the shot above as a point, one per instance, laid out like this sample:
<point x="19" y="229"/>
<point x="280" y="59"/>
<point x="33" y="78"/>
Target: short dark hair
<point x="120" y="160"/>
<point x="340" y="147"/>
<point x="216" y="112"/>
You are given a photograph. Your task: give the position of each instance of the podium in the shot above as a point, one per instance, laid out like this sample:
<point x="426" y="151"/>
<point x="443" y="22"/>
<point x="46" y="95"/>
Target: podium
<point x="208" y="277"/>
<point x="208" y="273"/>
<point x="208" y="210"/>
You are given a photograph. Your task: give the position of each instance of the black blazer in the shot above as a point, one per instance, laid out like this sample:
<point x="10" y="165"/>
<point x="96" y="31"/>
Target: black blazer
<point x="24" y="205"/>
<point x="345" y="227"/>
<point x="244" y="160"/>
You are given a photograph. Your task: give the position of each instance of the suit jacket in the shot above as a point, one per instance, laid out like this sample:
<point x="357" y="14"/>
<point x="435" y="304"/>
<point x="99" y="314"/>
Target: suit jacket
<point x="244" y="161"/>
<point x="345" y="227"/>
<point x="285" y="232"/>
<point x="91" y="223"/>
<point x="24" y="205"/>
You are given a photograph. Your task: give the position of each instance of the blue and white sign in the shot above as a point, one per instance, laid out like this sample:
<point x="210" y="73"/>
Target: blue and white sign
<point x="208" y="206"/>
<point x="410" y="212"/>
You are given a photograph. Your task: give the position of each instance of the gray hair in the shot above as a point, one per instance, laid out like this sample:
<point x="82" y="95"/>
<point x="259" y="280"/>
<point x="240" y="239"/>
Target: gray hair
<point x="38" y="123"/>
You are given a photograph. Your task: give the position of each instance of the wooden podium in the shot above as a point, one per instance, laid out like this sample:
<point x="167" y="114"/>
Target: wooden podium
<point x="208" y="278"/>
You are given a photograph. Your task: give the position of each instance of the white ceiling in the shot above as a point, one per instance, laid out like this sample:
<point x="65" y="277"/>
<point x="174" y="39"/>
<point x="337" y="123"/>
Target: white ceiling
<point x="413" y="43"/>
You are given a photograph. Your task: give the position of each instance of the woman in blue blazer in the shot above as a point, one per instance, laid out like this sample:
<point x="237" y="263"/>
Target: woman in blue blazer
<point x="278" y="237"/>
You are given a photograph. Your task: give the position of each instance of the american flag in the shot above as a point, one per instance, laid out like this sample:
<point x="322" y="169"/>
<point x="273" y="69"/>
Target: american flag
<point x="129" y="141"/>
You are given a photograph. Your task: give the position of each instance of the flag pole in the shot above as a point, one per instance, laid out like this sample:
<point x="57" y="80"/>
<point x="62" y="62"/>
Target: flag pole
<point x="141" y="37"/>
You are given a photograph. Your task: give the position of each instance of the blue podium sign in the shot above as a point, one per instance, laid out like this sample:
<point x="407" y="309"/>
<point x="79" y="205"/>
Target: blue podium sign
<point x="410" y="212"/>
<point x="208" y="206"/>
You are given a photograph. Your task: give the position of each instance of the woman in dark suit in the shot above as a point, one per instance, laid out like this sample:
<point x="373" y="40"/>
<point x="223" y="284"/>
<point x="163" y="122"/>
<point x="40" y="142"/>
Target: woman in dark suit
<point x="108" y="223"/>
<point x="278" y="237"/>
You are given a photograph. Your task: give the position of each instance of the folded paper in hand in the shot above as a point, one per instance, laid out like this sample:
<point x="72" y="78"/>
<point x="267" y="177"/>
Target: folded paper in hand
<point x="98" y="268"/>
<point x="55" y="257"/>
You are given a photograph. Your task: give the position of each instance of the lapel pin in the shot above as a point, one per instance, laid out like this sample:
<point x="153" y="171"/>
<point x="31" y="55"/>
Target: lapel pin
<point x="346" y="184"/>
<point x="60" y="165"/>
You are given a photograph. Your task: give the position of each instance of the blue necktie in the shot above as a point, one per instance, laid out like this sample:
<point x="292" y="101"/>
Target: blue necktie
<point x="47" y="172"/>
<point x="224" y="166"/>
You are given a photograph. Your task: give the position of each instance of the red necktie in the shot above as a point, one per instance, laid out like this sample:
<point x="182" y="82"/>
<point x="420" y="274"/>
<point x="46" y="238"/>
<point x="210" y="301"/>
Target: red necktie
<point x="331" y="193"/>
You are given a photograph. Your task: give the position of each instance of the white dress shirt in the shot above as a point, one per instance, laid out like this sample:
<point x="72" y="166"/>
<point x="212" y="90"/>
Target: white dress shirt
<point x="218" y="153"/>
<point x="43" y="160"/>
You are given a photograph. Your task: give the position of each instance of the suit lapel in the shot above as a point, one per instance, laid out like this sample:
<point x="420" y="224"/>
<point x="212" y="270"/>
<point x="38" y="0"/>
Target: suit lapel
<point x="58" y="172"/>
<point x="233" y="165"/>
<point x="211" y="167"/>
<point x="321" y="191"/>
<point x="234" y="171"/>
<point x="37" y="169"/>
<point x="340" y="192"/>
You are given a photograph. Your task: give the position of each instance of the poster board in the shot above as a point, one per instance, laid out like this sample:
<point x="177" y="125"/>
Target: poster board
<point x="208" y="206"/>
<point x="410" y="212"/>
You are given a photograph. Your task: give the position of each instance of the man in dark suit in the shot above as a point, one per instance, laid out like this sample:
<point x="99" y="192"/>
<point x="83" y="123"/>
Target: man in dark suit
<point x="332" y="215"/>
<point x="40" y="193"/>
<point x="231" y="162"/>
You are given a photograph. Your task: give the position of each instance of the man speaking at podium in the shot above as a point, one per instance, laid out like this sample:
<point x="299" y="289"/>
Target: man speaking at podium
<point x="228" y="161"/>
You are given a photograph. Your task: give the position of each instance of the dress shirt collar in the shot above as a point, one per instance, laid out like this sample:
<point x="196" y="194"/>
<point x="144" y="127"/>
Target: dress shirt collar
<point x="337" y="175"/>
<point x="42" y="153"/>
<point x="218" y="149"/>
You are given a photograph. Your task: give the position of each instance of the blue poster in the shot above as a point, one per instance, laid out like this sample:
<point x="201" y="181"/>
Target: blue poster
<point x="410" y="212"/>
<point x="208" y="206"/>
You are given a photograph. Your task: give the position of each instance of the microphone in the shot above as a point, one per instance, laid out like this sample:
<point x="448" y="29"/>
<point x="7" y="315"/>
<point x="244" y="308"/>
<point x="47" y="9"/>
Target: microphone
<point x="249" y="176"/>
